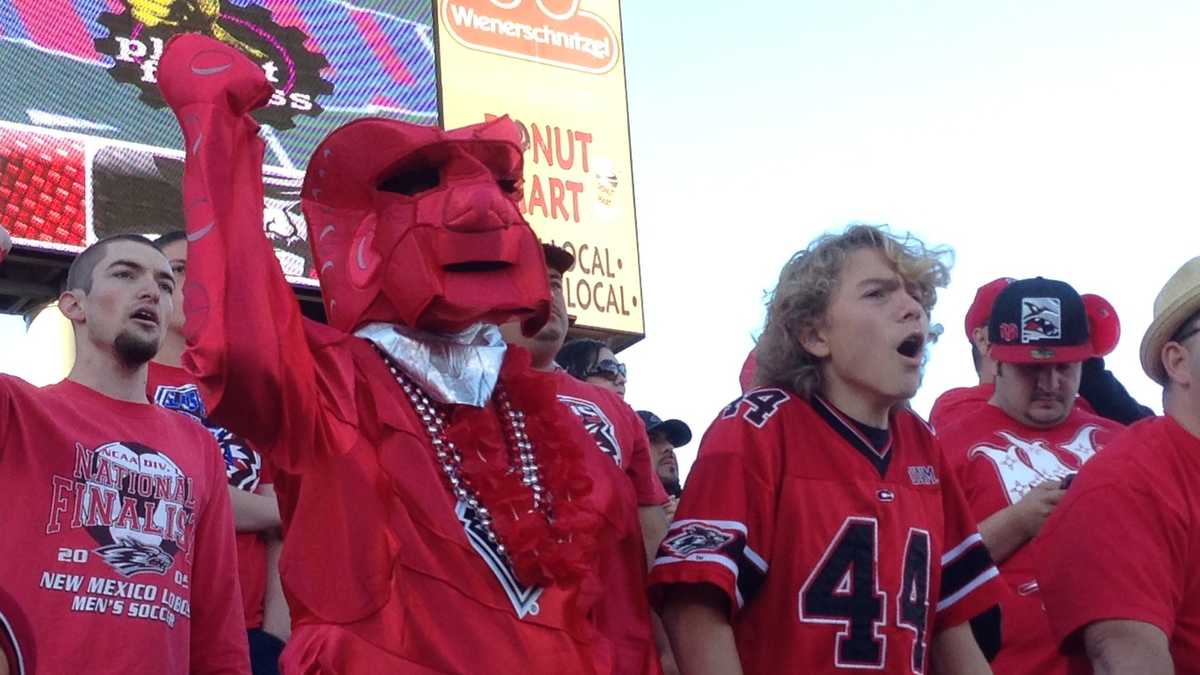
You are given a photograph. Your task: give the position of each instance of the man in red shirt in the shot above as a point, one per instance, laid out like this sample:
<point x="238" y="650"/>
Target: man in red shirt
<point x="119" y="543"/>
<point x="622" y="461"/>
<point x="1117" y="560"/>
<point x="954" y="403"/>
<point x="1013" y="455"/>
<point x="1100" y="393"/>
<point x="251" y="483"/>
<point x="821" y="529"/>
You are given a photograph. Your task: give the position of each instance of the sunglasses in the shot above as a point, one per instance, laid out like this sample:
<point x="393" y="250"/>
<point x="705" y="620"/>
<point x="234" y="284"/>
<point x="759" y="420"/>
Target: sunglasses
<point x="608" y="369"/>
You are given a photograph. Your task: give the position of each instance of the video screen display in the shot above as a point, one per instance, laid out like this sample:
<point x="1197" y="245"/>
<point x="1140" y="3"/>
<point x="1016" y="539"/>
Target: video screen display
<point x="88" y="148"/>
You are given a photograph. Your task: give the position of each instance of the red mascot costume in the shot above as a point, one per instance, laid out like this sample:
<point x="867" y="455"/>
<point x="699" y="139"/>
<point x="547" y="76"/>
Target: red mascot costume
<point x="439" y="514"/>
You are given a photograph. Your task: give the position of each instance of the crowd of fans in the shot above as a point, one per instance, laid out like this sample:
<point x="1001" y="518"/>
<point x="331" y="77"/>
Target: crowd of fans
<point x="1043" y="524"/>
<point x="436" y="480"/>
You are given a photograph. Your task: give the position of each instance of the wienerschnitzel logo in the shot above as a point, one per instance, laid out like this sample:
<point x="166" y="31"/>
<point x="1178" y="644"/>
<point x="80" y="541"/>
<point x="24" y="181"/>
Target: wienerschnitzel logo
<point x="552" y="32"/>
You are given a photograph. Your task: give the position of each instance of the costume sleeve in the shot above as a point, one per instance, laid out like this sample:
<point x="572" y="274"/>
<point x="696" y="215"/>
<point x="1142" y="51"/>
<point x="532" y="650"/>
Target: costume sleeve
<point x="970" y="581"/>
<point x="640" y="469"/>
<point x="218" y="640"/>
<point x="724" y="526"/>
<point x="1111" y="550"/>
<point x="247" y="342"/>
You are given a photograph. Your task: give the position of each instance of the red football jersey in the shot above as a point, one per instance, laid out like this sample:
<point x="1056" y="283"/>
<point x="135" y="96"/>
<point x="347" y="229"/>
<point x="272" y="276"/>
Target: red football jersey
<point x="618" y="431"/>
<point x="1122" y="543"/>
<point x="834" y="554"/>
<point x="118" y="537"/>
<point x="175" y="389"/>
<point x="998" y="461"/>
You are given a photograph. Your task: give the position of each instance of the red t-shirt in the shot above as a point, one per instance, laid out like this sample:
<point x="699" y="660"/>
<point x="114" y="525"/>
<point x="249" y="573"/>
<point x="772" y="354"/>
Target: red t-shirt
<point x="622" y="611"/>
<point x="119" y="550"/>
<point x="1122" y="544"/>
<point x="954" y="404"/>
<point x="833" y="554"/>
<point x="618" y="431"/>
<point x="175" y="388"/>
<point x="998" y="461"/>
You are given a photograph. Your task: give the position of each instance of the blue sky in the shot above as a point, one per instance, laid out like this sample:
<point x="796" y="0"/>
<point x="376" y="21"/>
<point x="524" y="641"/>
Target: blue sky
<point x="1035" y="138"/>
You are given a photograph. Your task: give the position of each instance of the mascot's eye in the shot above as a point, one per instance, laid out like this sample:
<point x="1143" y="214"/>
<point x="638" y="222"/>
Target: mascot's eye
<point x="509" y="185"/>
<point x="411" y="181"/>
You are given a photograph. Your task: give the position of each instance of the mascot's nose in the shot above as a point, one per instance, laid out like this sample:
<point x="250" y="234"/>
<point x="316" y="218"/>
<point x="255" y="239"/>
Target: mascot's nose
<point x="478" y="207"/>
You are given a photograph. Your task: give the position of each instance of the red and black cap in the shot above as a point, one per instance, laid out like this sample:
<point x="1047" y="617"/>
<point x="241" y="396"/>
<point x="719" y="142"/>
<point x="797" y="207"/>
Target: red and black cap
<point x="981" y="306"/>
<point x="1046" y="321"/>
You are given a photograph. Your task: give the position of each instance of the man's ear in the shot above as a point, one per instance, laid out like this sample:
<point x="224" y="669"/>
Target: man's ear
<point x="979" y="337"/>
<point x="1175" y="363"/>
<point x="815" y="342"/>
<point x="70" y="303"/>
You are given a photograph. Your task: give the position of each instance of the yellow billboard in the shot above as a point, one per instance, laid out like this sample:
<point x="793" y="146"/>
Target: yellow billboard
<point x="557" y="67"/>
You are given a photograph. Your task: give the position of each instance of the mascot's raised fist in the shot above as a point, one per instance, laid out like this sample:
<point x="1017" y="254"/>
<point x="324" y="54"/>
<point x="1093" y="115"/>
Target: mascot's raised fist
<point x="197" y="69"/>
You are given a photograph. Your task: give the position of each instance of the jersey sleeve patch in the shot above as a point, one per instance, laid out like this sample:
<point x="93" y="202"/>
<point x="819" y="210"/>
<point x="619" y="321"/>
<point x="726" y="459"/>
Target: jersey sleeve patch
<point x="964" y="568"/>
<point x="715" y="542"/>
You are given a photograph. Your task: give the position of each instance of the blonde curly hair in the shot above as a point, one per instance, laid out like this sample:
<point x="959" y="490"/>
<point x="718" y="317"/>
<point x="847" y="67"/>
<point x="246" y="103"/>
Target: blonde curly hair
<point x="807" y="283"/>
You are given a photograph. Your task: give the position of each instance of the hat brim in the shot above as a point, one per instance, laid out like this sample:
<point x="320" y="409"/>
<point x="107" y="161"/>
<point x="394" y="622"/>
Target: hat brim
<point x="676" y="431"/>
<point x="1160" y="331"/>
<point x="1040" y="354"/>
<point x="557" y="258"/>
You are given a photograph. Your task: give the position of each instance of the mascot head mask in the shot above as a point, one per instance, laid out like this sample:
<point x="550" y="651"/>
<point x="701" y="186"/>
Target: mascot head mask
<point x="418" y="226"/>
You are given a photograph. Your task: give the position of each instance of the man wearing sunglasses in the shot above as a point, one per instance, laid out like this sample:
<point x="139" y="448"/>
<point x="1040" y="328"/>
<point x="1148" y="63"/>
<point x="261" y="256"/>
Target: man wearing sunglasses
<point x="623" y="612"/>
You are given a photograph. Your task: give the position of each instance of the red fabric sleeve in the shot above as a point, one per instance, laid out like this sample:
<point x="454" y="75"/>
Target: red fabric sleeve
<point x="640" y="469"/>
<point x="970" y="581"/>
<point x="1111" y="551"/>
<point x="724" y="525"/>
<point x="247" y="341"/>
<point x="218" y="639"/>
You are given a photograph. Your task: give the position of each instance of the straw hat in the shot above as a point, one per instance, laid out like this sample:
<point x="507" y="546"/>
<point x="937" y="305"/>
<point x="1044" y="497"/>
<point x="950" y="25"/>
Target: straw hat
<point x="1177" y="301"/>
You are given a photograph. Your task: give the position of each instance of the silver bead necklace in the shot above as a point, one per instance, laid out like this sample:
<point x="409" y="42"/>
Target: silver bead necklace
<point x="522" y="457"/>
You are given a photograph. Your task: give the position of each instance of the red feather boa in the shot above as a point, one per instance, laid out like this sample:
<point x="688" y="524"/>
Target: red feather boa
<point x="542" y="552"/>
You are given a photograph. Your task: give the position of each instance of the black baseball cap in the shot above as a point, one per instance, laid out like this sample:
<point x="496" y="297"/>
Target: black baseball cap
<point x="676" y="431"/>
<point x="558" y="258"/>
<point x="1046" y="321"/>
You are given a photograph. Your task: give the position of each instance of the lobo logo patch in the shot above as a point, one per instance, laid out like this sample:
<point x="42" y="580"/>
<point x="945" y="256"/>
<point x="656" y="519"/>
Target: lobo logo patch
<point x="597" y="424"/>
<point x="135" y="502"/>
<point x="696" y="538"/>
<point x="1041" y="319"/>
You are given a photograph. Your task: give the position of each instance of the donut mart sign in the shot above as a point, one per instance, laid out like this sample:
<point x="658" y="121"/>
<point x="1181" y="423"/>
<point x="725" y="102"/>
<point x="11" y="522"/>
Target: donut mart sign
<point x="557" y="68"/>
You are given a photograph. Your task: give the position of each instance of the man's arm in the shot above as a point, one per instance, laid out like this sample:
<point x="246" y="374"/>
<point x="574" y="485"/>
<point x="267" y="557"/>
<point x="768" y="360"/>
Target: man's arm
<point x="1120" y="646"/>
<point x="254" y="512"/>
<point x="654" y="528"/>
<point x="277" y="617"/>
<point x="696" y="617"/>
<point x="954" y="651"/>
<point x="5" y="247"/>
<point x="246" y="340"/>
<point x="1008" y="529"/>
